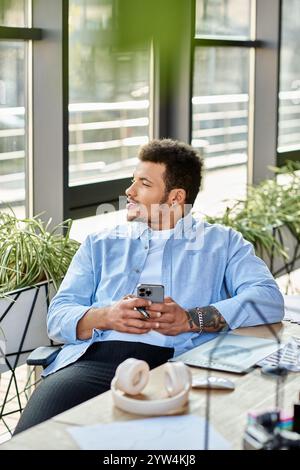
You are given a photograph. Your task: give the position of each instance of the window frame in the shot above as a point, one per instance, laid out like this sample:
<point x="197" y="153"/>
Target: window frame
<point x="264" y="66"/>
<point x="170" y="112"/>
<point x="264" y="45"/>
<point x="47" y="187"/>
<point x="20" y="33"/>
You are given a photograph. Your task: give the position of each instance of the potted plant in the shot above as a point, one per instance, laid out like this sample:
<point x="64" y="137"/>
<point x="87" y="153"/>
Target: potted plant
<point x="33" y="261"/>
<point x="270" y="218"/>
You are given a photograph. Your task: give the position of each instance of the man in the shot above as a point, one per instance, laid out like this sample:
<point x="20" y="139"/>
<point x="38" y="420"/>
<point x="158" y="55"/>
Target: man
<point x="212" y="280"/>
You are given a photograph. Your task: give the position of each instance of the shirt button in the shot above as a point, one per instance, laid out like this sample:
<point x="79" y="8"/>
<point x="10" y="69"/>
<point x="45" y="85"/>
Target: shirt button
<point x="137" y="270"/>
<point x="146" y="248"/>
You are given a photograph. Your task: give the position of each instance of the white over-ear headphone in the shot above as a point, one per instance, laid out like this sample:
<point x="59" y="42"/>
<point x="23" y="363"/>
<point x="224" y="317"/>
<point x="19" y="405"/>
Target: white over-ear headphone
<point x="132" y="376"/>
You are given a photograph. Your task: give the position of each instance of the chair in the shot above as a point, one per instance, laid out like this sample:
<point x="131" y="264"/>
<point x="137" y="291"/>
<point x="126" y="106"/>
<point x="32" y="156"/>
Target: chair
<point x="43" y="356"/>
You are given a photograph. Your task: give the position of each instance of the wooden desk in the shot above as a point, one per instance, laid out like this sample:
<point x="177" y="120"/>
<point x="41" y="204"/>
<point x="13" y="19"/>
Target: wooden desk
<point x="228" y="410"/>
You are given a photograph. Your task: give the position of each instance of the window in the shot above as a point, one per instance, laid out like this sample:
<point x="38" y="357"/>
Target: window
<point x="220" y="99"/>
<point x="14" y="13"/>
<point x="220" y="105"/>
<point x="13" y="106"/>
<point x="223" y="18"/>
<point x="108" y="98"/>
<point x="289" y="94"/>
<point x="105" y="95"/>
<point x="12" y="124"/>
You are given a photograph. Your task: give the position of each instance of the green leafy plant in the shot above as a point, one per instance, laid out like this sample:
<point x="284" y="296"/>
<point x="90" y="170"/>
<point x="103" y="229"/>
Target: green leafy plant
<point x="269" y="206"/>
<point x="30" y="253"/>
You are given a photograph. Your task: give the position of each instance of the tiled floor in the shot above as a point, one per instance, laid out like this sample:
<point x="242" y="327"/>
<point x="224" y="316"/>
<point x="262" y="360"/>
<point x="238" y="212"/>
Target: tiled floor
<point x="23" y="372"/>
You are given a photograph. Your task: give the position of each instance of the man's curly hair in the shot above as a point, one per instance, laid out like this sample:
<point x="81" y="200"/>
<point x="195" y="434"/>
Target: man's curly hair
<point x="183" y="165"/>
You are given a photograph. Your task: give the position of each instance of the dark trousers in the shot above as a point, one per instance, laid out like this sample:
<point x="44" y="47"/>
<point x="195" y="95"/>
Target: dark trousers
<point x="89" y="376"/>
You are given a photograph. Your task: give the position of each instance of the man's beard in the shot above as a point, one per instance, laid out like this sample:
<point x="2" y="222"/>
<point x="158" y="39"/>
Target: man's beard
<point x="141" y="215"/>
<point x="134" y="217"/>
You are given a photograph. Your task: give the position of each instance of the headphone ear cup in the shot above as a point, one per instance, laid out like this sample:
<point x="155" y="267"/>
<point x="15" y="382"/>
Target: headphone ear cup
<point x="177" y="378"/>
<point x="132" y="376"/>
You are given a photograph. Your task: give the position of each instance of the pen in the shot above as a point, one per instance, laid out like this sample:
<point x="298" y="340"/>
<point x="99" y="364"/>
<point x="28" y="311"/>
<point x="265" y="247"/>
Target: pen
<point x="143" y="312"/>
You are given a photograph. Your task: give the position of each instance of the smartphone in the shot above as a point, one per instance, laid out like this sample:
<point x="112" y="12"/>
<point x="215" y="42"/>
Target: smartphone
<point x="153" y="292"/>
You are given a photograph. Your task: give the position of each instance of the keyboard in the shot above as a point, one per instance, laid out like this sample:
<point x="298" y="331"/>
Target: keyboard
<point x="287" y="356"/>
<point x="216" y="365"/>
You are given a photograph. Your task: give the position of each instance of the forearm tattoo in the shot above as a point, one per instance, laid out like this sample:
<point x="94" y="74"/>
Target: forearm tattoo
<point x="211" y="317"/>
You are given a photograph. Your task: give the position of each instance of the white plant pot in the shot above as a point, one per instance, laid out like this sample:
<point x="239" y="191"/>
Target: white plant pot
<point x="23" y="327"/>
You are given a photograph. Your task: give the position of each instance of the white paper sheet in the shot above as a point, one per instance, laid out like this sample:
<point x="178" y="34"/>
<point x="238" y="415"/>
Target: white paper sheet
<point x="163" y="433"/>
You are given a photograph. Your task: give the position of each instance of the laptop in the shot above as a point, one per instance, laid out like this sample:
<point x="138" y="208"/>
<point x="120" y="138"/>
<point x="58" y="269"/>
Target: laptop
<point x="229" y="352"/>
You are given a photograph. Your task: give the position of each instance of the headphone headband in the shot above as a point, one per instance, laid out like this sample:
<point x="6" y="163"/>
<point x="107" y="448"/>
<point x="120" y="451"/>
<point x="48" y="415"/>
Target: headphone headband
<point x="132" y="376"/>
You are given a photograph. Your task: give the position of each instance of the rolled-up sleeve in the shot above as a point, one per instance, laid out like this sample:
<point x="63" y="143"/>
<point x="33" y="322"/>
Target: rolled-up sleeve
<point x="74" y="297"/>
<point x="254" y="295"/>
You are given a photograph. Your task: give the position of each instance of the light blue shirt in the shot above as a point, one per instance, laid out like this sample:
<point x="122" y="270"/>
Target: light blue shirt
<point x="152" y="269"/>
<point x="202" y="265"/>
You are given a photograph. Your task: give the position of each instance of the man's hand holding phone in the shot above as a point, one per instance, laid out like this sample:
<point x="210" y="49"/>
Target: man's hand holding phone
<point x="173" y="319"/>
<point x="124" y="316"/>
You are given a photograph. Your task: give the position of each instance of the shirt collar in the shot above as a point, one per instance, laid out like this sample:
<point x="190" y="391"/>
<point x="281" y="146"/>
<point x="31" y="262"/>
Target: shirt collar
<point x="183" y="227"/>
